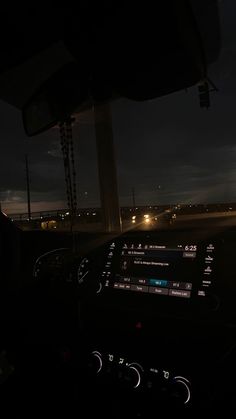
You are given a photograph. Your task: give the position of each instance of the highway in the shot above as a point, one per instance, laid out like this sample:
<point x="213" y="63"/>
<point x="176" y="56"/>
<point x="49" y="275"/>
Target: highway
<point x="222" y="219"/>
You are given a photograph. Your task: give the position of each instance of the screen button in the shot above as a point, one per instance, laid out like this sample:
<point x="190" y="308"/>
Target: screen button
<point x="210" y="247"/>
<point x="186" y="286"/>
<point x="162" y="291"/>
<point x="140" y="281"/>
<point x="175" y="284"/>
<point x="208" y="270"/>
<point x="209" y="259"/>
<point x="179" y="293"/>
<point x="158" y="282"/>
<point x="125" y="279"/>
<point x="190" y="255"/>
<point x="121" y="286"/>
<point x="140" y="288"/>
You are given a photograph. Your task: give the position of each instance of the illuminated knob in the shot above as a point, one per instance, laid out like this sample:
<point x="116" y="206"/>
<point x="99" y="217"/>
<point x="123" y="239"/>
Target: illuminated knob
<point x="99" y="288"/>
<point x="131" y="375"/>
<point x="95" y="362"/>
<point x="181" y="390"/>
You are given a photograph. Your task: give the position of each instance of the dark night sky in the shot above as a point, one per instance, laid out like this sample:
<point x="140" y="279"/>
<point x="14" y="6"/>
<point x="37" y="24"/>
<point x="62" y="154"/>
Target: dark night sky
<point x="169" y="149"/>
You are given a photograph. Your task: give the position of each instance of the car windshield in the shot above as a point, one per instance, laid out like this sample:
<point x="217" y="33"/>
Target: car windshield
<point x="174" y="159"/>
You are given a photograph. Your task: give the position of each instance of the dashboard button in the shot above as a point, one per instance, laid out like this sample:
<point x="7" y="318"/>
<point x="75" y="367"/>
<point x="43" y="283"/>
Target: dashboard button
<point x="180" y="293"/>
<point x="175" y="284"/>
<point x="139" y="288"/>
<point x="191" y="255"/>
<point x="188" y="285"/>
<point x="139" y="281"/>
<point x="158" y="282"/>
<point x="121" y="286"/>
<point x="162" y="291"/>
<point x="125" y="279"/>
<point x="142" y="281"/>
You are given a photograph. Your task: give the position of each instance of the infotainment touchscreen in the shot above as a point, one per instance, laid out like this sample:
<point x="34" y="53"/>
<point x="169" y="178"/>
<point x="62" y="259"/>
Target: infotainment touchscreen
<point x="173" y="270"/>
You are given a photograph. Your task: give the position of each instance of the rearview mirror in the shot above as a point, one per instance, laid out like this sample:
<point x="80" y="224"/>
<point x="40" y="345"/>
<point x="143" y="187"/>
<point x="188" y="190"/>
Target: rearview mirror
<point x="55" y="100"/>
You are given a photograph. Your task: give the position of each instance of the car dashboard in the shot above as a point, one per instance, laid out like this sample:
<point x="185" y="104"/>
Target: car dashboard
<point x="155" y="317"/>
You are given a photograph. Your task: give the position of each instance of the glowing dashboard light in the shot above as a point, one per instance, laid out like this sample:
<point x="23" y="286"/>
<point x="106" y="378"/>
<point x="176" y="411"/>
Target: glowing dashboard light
<point x="147" y="220"/>
<point x="133" y="221"/>
<point x="67" y="213"/>
<point x="146" y="216"/>
<point x="138" y="375"/>
<point x="98" y="355"/>
<point x="99" y="288"/>
<point x="186" y="384"/>
<point x="134" y="217"/>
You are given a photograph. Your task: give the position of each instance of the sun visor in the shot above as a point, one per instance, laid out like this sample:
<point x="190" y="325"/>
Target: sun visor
<point x="149" y="54"/>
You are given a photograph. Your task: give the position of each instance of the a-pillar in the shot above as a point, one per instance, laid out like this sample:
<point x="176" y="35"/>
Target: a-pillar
<point x="107" y="168"/>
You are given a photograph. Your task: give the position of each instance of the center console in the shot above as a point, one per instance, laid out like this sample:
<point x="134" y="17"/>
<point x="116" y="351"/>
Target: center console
<point x="177" y="269"/>
<point x="152" y="335"/>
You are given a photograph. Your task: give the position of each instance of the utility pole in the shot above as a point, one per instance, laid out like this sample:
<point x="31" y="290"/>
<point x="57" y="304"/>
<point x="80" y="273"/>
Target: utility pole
<point x="28" y="186"/>
<point x="133" y="197"/>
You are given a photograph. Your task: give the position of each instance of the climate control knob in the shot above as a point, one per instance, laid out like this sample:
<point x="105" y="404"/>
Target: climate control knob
<point x="181" y="390"/>
<point x="95" y="362"/>
<point x="130" y="376"/>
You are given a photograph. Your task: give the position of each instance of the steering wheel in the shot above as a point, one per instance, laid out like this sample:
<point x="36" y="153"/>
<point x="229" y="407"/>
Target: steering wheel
<point x="31" y="372"/>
